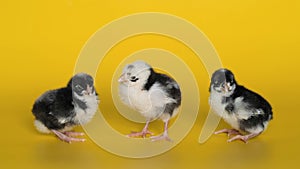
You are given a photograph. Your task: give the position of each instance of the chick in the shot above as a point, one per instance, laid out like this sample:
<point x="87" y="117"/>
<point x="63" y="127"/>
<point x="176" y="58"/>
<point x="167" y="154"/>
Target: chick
<point x="152" y="94"/>
<point x="59" y="111"/>
<point x="246" y="111"/>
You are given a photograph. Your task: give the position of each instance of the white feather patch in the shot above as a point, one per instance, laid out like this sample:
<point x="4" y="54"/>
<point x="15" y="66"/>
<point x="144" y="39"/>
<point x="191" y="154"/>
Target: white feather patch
<point x="41" y="127"/>
<point x="151" y="104"/>
<point x="85" y="116"/>
<point x="215" y="101"/>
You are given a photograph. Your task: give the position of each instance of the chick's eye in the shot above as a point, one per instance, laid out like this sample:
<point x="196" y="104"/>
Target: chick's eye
<point x="78" y="87"/>
<point x="133" y="78"/>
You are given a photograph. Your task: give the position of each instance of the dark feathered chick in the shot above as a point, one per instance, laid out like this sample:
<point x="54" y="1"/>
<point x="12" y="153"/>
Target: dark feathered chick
<point x="58" y="111"/>
<point x="246" y="111"/>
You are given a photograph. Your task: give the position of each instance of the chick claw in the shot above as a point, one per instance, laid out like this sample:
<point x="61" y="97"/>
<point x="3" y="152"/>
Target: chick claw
<point x="239" y="137"/>
<point x="138" y="134"/>
<point x="66" y="136"/>
<point x="229" y="132"/>
<point x="74" y="134"/>
<point x="244" y="138"/>
<point x="161" y="137"/>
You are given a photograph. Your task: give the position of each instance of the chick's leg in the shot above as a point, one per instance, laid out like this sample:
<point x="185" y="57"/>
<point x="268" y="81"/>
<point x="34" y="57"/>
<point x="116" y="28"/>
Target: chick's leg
<point x="229" y="132"/>
<point x="143" y="133"/>
<point x="164" y="136"/>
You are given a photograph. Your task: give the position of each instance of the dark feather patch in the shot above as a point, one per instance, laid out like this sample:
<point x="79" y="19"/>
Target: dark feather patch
<point x="254" y="101"/>
<point x="253" y="121"/>
<point x="151" y="80"/>
<point x="53" y="105"/>
<point x="230" y="108"/>
<point x="168" y="85"/>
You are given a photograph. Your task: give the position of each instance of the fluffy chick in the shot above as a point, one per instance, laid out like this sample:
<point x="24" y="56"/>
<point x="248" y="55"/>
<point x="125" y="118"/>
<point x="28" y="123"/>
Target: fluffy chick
<point x="245" y="110"/>
<point x="58" y="111"/>
<point x="152" y="94"/>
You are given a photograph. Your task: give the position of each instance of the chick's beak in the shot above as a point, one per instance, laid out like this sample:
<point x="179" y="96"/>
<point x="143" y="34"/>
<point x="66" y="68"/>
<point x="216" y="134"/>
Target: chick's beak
<point x="89" y="90"/>
<point x="227" y="87"/>
<point x="122" y="78"/>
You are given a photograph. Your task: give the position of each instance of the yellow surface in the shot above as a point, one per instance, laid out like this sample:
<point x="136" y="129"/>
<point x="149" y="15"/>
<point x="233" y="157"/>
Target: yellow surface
<point x="258" y="40"/>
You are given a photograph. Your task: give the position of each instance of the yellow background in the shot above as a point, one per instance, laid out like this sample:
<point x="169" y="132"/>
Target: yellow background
<point x="258" y="40"/>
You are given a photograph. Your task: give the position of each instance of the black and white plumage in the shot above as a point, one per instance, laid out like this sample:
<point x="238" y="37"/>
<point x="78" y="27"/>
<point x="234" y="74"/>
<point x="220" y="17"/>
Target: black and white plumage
<point x="58" y="111"/>
<point x="152" y="94"/>
<point x="246" y="111"/>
